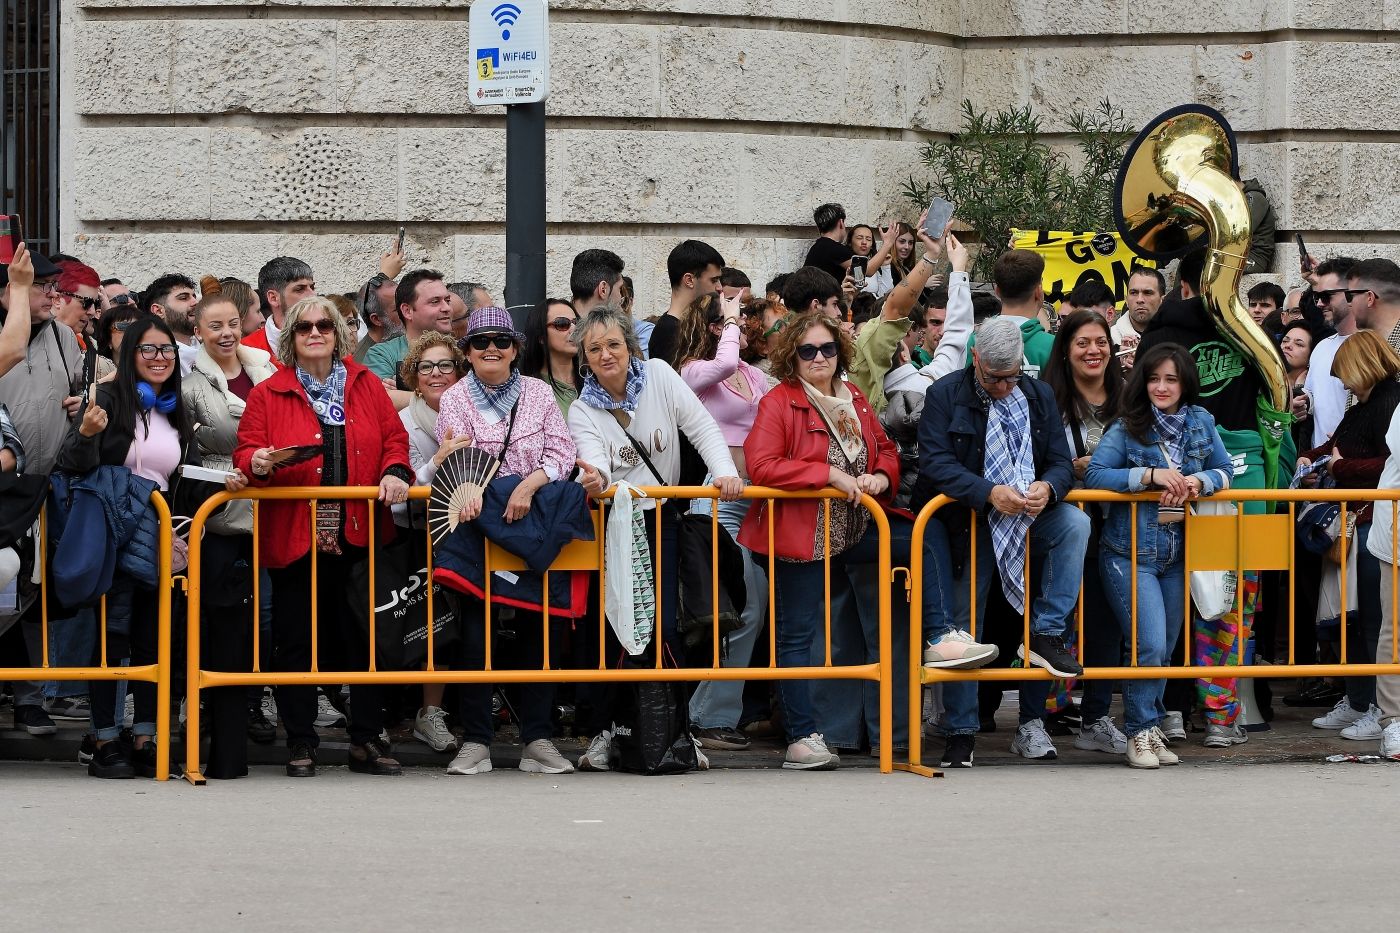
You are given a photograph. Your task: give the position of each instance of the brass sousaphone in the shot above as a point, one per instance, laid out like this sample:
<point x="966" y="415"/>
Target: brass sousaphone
<point x="1177" y="191"/>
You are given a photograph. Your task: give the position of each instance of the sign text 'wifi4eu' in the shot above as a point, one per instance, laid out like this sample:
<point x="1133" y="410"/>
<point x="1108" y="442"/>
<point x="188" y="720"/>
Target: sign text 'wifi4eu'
<point x="510" y="52"/>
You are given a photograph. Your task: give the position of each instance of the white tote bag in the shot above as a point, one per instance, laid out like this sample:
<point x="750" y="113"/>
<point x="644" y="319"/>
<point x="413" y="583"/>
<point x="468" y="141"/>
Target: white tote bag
<point x="1213" y="591"/>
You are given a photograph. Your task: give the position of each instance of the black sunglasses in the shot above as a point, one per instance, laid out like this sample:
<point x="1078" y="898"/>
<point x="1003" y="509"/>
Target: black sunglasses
<point x="121" y="326"/>
<point x="89" y="304"/>
<point x="500" y="341"/>
<point x="324" y="326"/>
<point x="562" y="324"/>
<point x="1350" y="293"/>
<point x="809" y="351"/>
<point x="1324" y="295"/>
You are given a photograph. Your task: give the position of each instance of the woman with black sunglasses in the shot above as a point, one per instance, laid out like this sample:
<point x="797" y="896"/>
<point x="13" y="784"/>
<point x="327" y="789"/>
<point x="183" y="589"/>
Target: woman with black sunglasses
<point x="137" y="421"/>
<point x="815" y="430"/>
<point x="322" y="420"/>
<point x="513" y="417"/>
<point x="546" y="352"/>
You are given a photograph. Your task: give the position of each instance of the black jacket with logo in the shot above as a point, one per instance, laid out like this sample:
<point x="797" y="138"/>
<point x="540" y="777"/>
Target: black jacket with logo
<point x="1230" y="385"/>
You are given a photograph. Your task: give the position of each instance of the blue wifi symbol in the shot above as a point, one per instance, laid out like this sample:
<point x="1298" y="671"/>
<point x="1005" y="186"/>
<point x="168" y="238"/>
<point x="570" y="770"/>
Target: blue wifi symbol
<point x="505" y="15"/>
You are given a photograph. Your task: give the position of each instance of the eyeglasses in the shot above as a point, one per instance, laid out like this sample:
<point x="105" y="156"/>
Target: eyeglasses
<point x="89" y="304"/>
<point x="48" y="288"/>
<point x="562" y="324"/>
<point x="446" y="367"/>
<point x="499" y="341"/>
<point x="988" y="379"/>
<point x="809" y="351"/>
<point x="150" y="351"/>
<point x="324" y="326"/>
<point x="1324" y="295"/>
<point x="1351" y="293"/>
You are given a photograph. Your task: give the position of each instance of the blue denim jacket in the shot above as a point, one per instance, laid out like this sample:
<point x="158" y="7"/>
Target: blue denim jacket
<point x="1120" y="464"/>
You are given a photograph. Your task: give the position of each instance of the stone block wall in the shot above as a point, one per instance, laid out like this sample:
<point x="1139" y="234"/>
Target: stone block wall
<point x="208" y="135"/>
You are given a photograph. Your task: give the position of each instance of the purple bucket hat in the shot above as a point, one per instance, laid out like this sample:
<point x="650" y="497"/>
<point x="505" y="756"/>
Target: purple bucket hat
<point x="492" y="320"/>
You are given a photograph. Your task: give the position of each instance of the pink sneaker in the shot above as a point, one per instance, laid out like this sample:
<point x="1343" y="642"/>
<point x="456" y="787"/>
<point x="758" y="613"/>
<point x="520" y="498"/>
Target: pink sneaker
<point x="956" y="649"/>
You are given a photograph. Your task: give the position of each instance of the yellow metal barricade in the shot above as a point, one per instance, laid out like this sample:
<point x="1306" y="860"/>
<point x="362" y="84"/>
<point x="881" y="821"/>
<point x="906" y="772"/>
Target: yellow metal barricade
<point x="1239" y="543"/>
<point x="576" y="556"/>
<point x="157" y="673"/>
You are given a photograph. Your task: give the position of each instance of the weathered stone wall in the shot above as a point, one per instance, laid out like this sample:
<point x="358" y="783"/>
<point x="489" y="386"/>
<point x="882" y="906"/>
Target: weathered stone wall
<point x="209" y="135"/>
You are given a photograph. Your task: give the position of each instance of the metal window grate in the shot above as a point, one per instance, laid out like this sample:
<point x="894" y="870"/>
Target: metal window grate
<point x="29" y="105"/>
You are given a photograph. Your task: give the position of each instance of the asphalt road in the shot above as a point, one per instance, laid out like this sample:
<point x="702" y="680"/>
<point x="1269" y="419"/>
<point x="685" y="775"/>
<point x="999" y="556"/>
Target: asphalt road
<point x="1296" y="846"/>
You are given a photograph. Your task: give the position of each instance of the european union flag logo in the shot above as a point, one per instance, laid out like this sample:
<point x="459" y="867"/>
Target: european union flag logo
<point x="487" y="61"/>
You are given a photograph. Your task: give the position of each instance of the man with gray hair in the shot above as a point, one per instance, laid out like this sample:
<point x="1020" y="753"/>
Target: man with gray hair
<point x="992" y="439"/>
<point x="282" y="282"/>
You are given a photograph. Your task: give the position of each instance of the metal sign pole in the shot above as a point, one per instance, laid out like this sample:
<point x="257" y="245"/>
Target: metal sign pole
<point x="525" y="208"/>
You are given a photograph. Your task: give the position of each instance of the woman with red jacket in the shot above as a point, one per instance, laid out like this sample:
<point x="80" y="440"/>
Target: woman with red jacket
<point x="322" y="398"/>
<point x="815" y="430"/>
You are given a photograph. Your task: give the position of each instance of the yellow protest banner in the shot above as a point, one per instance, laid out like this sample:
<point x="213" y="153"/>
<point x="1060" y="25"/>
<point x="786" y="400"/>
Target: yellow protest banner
<point x="1071" y="258"/>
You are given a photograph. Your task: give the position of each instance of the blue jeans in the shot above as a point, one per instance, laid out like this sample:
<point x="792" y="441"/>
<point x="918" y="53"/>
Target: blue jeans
<point x="717" y="704"/>
<point x="1161" y="584"/>
<point x="824" y="706"/>
<point x="71" y="643"/>
<point x="1059" y="538"/>
<point x="1103" y="647"/>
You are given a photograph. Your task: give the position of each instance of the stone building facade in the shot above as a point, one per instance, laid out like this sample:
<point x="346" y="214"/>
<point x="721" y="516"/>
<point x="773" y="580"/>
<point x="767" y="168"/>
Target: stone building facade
<point x="209" y="135"/>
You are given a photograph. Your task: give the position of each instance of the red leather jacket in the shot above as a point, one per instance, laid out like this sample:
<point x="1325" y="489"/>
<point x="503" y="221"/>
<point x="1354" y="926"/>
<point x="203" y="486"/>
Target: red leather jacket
<point x="787" y="450"/>
<point x="279" y="415"/>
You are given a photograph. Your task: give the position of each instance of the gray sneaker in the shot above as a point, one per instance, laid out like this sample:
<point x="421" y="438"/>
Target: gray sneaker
<point x="541" y="757"/>
<point x="1102" y="735"/>
<point x="1224" y="736"/>
<point x="1033" y="742"/>
<point x="430" y="728"/>
<point x="474" y="758"/>
<point x="1173" y="726"/>
<point x="598" y="754"/>
<point x="75" y="709"/>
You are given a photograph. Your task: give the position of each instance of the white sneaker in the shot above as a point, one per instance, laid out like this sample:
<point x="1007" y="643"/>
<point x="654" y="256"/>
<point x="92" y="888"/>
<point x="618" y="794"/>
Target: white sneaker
<point x="1367" y="727"/>
<point x="599" y="754"/>
<point x="269" y="706"/>
<point x="955" y="650"/>
<point x="541" y="757"/>
<point x="1101" y="735"/>
<point x="1173" y="726"/>
<point x="811" y="754"/>
<point x="1032" y="741"/>
<point x="327" y="716"/>
<point x="430" y="728"/>
<point x="1159" y="748"/>
<point x="1340" y="716"/>
<point x="1390" y="741"/>
<point x="1224" y="736"/>
<point x="1139" y="752"/>
<point x="129" y="712"/>
<point x="474" y="758"/>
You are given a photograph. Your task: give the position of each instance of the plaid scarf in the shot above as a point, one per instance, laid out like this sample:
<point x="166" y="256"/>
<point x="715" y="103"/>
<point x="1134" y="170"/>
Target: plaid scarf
<point x="597" y="396"/>
<point x="494" y="402"/>
<point x="327" y="398"/>
<point x="1010" y="462"/>
<point x="1171" y="431"/>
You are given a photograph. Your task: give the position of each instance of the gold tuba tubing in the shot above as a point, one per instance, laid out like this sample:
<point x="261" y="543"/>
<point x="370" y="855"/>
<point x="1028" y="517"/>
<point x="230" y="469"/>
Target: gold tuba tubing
<point x="1177" y="190"/>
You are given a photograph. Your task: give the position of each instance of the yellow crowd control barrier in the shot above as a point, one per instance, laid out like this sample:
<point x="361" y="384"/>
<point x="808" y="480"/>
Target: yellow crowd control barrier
<point x="1240" y="542"/>
<point x="577" y="556"/>
<point x="157" y="673"/>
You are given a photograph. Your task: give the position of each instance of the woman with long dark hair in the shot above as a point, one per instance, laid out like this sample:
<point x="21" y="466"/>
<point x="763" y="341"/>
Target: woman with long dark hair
<point x="547" y="353"/>
<point x="1087" y="380"/>
<point x="137" y="420"/>
<point x="892" y="261"/>
<point x="1163" y="441"/>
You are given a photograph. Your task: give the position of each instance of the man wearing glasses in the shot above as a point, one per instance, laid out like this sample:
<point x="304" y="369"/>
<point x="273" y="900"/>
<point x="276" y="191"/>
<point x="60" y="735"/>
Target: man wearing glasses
<point x="991" y="438"/>
<point x="41" y="393"/>
<point x="1373" y="294"/>
<point x="78" y="300"/>
<point x="1324" y="394"/>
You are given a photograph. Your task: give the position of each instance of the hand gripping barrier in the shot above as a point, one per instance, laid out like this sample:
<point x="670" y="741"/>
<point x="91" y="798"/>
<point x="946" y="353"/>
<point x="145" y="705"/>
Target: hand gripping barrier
<point x="157" y="673"/>
<point x="580" y="555"/>
<point x="1240" y="542"/>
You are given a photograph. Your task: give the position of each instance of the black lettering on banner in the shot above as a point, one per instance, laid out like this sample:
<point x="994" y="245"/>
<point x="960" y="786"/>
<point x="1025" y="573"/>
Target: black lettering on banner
<point x="1079" y="252"/>
<point x="1057" y="292"/>
<point x="1089" y="275"/>
<point x="1043" y="238"/>
<point x="1121" y="274"/>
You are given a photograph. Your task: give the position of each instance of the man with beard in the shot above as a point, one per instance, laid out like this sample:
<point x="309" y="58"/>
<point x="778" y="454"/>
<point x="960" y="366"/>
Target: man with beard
<point x="173" y="298"/>
<point x="1146" y="287"/>
<point x="282" y="282"/>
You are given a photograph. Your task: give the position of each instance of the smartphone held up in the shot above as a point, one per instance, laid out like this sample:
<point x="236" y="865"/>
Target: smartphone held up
<point x="11" y="235"/>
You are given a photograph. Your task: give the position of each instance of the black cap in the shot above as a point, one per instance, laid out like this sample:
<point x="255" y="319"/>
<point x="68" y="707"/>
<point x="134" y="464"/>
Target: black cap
<point x="43" y="269"/>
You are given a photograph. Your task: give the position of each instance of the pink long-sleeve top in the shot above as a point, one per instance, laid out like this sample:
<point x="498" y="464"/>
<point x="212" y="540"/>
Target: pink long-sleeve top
<point x="540" y="439"/>
<point x="706" y="378"/>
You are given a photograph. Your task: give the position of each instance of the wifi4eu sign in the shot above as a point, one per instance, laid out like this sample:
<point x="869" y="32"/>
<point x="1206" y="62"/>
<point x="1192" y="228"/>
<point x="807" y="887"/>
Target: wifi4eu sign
<point x="510" y="52"/>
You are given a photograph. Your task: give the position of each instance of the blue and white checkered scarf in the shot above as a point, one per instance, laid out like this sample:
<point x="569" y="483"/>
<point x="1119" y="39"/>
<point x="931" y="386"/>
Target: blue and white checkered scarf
<point x="597" y="396"/>
<point x="1171" y="431"/>
<point x="327" y="398"/>
<point x="494" y="402"/>
<point x="1010" y="462"/>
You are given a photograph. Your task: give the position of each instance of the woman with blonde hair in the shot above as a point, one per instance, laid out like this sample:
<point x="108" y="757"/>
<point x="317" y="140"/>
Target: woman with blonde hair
<point x="1368" y="367"/>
